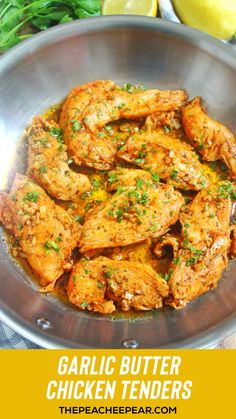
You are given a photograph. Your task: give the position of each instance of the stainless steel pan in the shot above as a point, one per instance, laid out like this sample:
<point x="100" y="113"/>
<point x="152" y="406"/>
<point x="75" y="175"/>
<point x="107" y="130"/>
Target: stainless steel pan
<point x="39" y="73"/>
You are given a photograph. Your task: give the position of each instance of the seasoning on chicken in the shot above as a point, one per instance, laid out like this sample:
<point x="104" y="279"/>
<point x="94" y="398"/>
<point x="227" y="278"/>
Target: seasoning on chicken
<point x="45" y="233"/>
<point x="97" y="284"/>
<point x="88" y="108"/>
<point x="206" y="242"/>
<point x="122" y="177"/>
<point x="171" y="159"/>
<point x="48" y="162"/>
<point x="131" y="215"/>
<point x="122" y="104"/>
<point x="212" y="139"/>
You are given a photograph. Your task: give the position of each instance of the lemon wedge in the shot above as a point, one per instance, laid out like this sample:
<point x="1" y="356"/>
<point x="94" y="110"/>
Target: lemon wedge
<point x="130" y="7"/>
<point x="216" y="17"/>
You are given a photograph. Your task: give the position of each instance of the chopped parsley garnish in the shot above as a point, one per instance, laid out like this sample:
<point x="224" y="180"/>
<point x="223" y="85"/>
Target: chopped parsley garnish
<point x="224" y="190"/>
<point x="128" y="87"/>
<point x="99" y="284"/>
<point x="75" y="276"/>
<point x="139" y="183"/>
<point x="176" y="260"/>
<point x="76" y="126"/>
<point x="79" y="218"/>
<point x="84" y="304"/>
<point x="112" y="177"/>
<point x="43" y="169"/>
<point x="96" y="183"/>
<point x="50" y="244"/>
<point x="156" y="177"/>
<point x="174" y="174"/>
<point x="31" y="196"/>
<point x="191" y="261"/>
<point x="167" y="129"/>
<point x="57" y="133"/>
<point x="101" y="134"/>
<point x="109" y="272"/>
<point x="121" y="105"/>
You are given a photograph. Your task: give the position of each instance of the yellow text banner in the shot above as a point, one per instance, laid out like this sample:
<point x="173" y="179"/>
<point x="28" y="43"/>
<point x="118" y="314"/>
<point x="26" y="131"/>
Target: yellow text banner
<point x="184" y="384"/>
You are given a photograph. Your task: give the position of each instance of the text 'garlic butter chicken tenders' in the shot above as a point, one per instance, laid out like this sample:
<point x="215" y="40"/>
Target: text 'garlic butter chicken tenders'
<point x="212" y="139"/>
<point x="203" y="257"/>
<point x="101" y="284"/>
<point x="88" y="108"/>
<point x="48" y="162"/>
<point x="45" y="232"/>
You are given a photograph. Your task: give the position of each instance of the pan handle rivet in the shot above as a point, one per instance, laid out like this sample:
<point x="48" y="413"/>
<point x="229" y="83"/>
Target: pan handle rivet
<point x="130" y="343"/>
<point x="44" y="323"/>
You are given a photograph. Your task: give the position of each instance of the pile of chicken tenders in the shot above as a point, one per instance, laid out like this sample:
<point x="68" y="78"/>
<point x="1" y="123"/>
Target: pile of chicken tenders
<point x="120" y="178"/>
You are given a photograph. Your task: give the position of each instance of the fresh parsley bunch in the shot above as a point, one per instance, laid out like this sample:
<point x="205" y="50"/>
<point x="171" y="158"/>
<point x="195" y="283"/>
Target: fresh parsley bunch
<point x="20" y="19"/>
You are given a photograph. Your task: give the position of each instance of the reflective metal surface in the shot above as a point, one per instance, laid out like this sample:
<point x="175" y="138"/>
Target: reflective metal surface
<point x="39" y="73"/>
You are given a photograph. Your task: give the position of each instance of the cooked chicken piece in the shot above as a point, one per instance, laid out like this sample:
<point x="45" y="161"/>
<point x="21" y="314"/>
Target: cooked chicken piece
<point x="88" y="108"/>
<point x="168" y="120"/>
<point x="131" y="216"/>
<point x="95" y="284"/>
<point x="121" y="178"/>
<point x="126" y="105"/>
<point x="84" y="147"/>
<point x="212" y="139"/>
<point x="206" y="242"/>
<point x="48" y="162"/>
<point x="46" y="233"/>
<point x="86" y="287"/>
<point x="173" y="240"/>
<point x="171" y="159"/>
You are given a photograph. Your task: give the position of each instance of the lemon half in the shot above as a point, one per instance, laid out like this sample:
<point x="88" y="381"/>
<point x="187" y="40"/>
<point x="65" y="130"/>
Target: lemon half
<point x="216" y="17"/>
<point x="130" y="7"/>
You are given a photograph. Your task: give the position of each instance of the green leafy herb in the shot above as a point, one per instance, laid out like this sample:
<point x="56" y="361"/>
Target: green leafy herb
<point x="76" y="126"/>
<point x="84" y="304"/>
<point x="43" y="169"/>
<point x="20" y="19"/>
<point x="31" y="196"/>
<point x="176" y="260"/>
<point x="174" y="174"/>
<point x="156" y="177"/>
<point x="50" y="244"/>
<point x="57" y="133"/>
<point x="167" y="129"/>
<point x="96" y="183"/>
<point x="79" y="218"/>
<point x="112" y="177"/>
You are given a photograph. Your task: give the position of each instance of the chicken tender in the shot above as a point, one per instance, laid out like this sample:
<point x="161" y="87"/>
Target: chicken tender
<point x="46" y="233"/>
<point x="169" y="158"/>
<point x="206" y="242"/>
<point x="83" y="146"/>
<point x="97" y="284"/>
<point x="48" y="162"/>
<point x="212" y="139"/>
<point x="88" y="108"/>
<point x="131" y="215"/>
